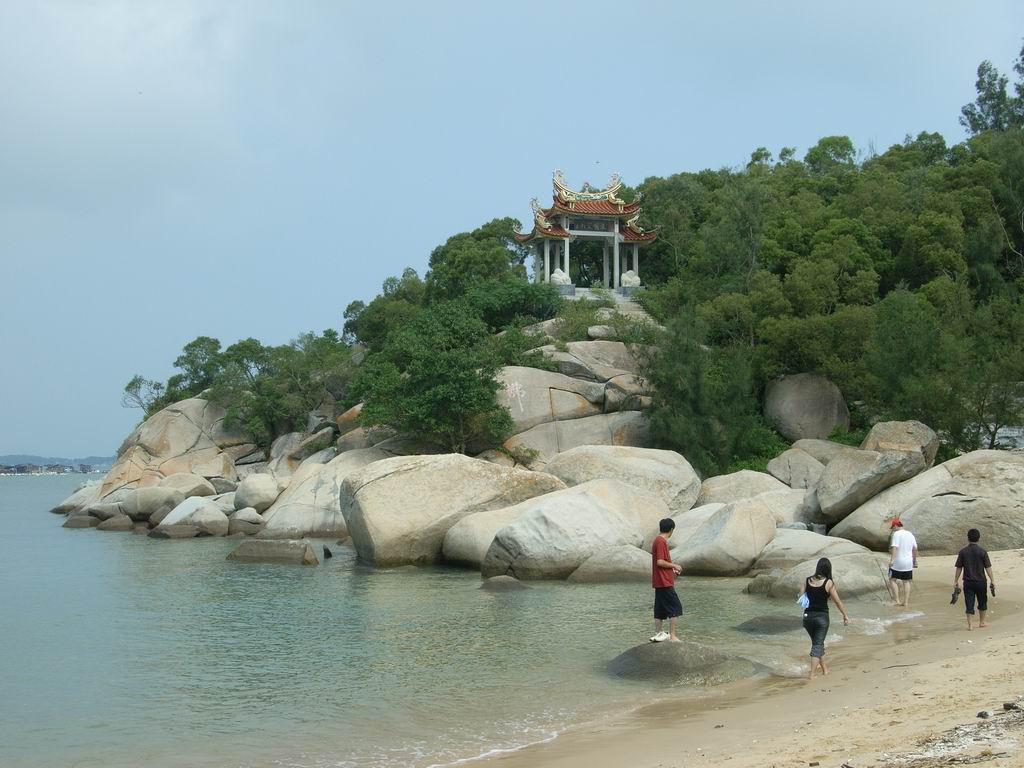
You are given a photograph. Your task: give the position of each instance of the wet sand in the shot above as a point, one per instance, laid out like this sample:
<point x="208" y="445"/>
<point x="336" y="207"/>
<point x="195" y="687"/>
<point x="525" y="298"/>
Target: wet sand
<point x="886" y="697"/>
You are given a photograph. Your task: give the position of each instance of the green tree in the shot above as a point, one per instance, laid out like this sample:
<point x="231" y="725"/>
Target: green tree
<point x="704" y="406"/>
<point x="399" y="302"/>
<point x="436" y="378"/>
<point x="831" y="155"/>
<point x="487" y="253"/>
<point x="143" y="393"/>
<point x="992" y="109"/>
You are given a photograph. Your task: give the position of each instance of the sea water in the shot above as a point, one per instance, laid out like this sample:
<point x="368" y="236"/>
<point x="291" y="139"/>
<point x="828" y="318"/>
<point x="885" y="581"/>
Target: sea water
<point x="120" y="650"/>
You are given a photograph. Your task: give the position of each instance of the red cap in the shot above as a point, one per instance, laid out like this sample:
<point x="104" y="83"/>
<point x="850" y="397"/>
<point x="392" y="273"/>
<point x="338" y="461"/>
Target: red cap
<point x="896" y="523"/>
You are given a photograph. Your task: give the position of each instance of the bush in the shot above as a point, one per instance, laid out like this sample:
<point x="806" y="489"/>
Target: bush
<point x="505" y="303"/>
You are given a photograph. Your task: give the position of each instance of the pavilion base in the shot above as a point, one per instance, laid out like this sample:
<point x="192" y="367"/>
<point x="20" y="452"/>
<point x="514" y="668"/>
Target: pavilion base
<point x="628" y="290"/>
<point x="566" y="290"/>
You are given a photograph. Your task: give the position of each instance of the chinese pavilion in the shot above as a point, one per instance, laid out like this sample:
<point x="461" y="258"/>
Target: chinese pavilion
<point x="591" y="214"/>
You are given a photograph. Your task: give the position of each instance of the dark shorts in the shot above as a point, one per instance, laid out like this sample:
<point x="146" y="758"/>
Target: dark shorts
<point x="666" y="603"/>
<point x="816" y="624"/>
<point x="975" y="590"/>
<point x="901" y="575"/>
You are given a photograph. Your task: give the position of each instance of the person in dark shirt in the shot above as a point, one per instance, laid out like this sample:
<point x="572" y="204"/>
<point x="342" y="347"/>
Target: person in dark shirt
<point x="973" y="563"/>
<point x="663" y="579"/>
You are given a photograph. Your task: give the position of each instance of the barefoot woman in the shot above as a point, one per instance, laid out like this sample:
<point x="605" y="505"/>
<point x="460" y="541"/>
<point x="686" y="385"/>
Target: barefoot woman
<point x="819" y="588"/>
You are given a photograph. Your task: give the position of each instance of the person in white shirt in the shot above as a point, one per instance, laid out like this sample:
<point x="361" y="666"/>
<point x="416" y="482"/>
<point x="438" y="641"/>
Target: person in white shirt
<point x="902" y="562"/>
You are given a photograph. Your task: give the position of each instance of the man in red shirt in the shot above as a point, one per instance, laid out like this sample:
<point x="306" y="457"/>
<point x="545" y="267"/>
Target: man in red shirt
<point x="666" y="601"/>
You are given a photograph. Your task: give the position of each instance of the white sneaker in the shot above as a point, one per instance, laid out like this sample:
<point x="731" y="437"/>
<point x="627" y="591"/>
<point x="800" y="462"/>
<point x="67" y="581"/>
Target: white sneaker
<point x="660" y="637"/>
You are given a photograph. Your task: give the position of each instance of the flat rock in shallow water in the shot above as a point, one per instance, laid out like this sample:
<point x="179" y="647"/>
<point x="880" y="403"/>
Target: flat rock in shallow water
<point x="503" y="584"/>
<point x="770" y="625"/>
<point x="179" y="531"/>
<point x="81" y="521"/>
<point x="275" y="551"/>
<point x="116" y="523"/>
<point x="685" y="661"/>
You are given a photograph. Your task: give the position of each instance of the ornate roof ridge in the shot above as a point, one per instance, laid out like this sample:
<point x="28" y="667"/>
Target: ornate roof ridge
<point x="569" y="195"/>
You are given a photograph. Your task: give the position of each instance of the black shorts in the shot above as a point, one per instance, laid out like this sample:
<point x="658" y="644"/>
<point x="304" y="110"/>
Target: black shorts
<point x="975" y="590"/>
<point x="666" y="603"/>
<point x="901" y="575"/>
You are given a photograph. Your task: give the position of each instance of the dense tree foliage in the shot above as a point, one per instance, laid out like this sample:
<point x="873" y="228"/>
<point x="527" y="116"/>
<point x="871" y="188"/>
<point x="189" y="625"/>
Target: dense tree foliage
<point x="898" y="275"/>
<point x="435" y="378"/>
<point x="267" y="390"/>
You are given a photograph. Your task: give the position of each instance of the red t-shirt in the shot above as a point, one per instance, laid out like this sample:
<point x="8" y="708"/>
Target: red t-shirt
<point x="662" y="577"/>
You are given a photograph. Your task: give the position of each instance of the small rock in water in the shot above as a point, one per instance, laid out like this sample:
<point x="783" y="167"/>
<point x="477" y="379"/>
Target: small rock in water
<point x="502" y="584"/>
<point x="770" y="625"/>
<point x="984" y="714"/>
<point x="327" y="552"/>
<point x="1010" y="705"/>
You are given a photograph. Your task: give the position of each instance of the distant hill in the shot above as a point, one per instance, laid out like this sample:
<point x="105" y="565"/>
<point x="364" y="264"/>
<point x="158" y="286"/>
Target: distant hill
<point x="24" y="458"/>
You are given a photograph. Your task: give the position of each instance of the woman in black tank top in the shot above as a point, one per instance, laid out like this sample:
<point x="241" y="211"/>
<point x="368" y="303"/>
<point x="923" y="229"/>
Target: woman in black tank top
<point x="818" y="589"/>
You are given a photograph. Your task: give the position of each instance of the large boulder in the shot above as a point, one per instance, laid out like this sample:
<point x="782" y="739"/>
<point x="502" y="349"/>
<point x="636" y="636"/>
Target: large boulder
<point x="903" y="436"/>
<point x="144" y="503"/>
<point x="349" y="420"/>
<point x="854" y="476"/>
<point x="789" y="548"/>
<point x="690" y="521"/>
<point x="184" y="512"/>
<point x="247" y="521"/>
<point x="805" y="405"/>
<point x="614" y="564"/>
<point x="311" y="504"/>
<point x="593" y="360"/>
<point x="188" y="436"/>
<point x="666" y="473"/>
<point x="398" y="510"/>
<point x="210" y="521"/>
<point x="533" y="397"/>
<point x="554" y="534"/>
<point x="84" y="496"/>
<point x="627" y="392"/>
<point x="729" y="541"/>
<point x="723" y="489"/>
<point x="258" y="492"/>
<point x="188" y="484"/>
<point x="791" y="506"/>
<point x="116" y="523"/>
<point x="796" y="468"/>
<point x="822" y="450"/>
<point x="280" y="462"/>
<point x="860" y="573"/>
<point x="982" y="489"/>
<point x="281" y="551"/>
<point x="545" y="441"/>
<point x="467" y="542"/>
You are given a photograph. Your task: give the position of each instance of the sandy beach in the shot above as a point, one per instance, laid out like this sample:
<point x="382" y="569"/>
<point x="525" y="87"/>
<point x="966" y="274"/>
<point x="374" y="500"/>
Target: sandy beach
<point x="908" y="697"/>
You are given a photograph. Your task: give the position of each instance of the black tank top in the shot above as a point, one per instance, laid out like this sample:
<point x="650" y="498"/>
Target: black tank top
<point x="817" y="597"/>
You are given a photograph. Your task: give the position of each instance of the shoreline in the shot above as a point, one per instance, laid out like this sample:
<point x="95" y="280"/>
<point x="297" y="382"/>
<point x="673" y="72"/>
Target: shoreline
<point x="886" y="694"/>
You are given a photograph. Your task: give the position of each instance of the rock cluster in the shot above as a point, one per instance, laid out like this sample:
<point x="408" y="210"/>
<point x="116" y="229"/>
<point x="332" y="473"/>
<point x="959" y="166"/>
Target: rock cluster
<point x="576" y="493"/>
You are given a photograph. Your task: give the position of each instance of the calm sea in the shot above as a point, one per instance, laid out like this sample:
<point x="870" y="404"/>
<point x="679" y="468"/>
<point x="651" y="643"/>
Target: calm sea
<point x="120" y="650"/>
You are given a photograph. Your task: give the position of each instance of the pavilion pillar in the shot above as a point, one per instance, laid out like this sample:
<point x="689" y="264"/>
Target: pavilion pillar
<point x="604" y="271"/>
<point x="547" y="260"/>
<point x="615" y="255"/>
<point x="636" y="259"/>
<point x="566" y="267"/>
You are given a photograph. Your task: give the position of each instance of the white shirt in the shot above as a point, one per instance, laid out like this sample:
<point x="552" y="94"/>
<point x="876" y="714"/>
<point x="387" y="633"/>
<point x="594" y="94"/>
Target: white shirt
<point x="904" y="543"/>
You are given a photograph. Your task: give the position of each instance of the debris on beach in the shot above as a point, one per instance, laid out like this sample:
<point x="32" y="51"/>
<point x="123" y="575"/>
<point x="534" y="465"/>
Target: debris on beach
<point x="995" y="736"/>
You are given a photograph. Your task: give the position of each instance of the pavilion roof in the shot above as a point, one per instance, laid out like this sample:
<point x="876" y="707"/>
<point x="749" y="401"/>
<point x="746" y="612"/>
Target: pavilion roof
<point x="587" y="201"/>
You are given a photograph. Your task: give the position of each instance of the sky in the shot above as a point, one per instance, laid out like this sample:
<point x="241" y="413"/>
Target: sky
<point x="236" y="169"/>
